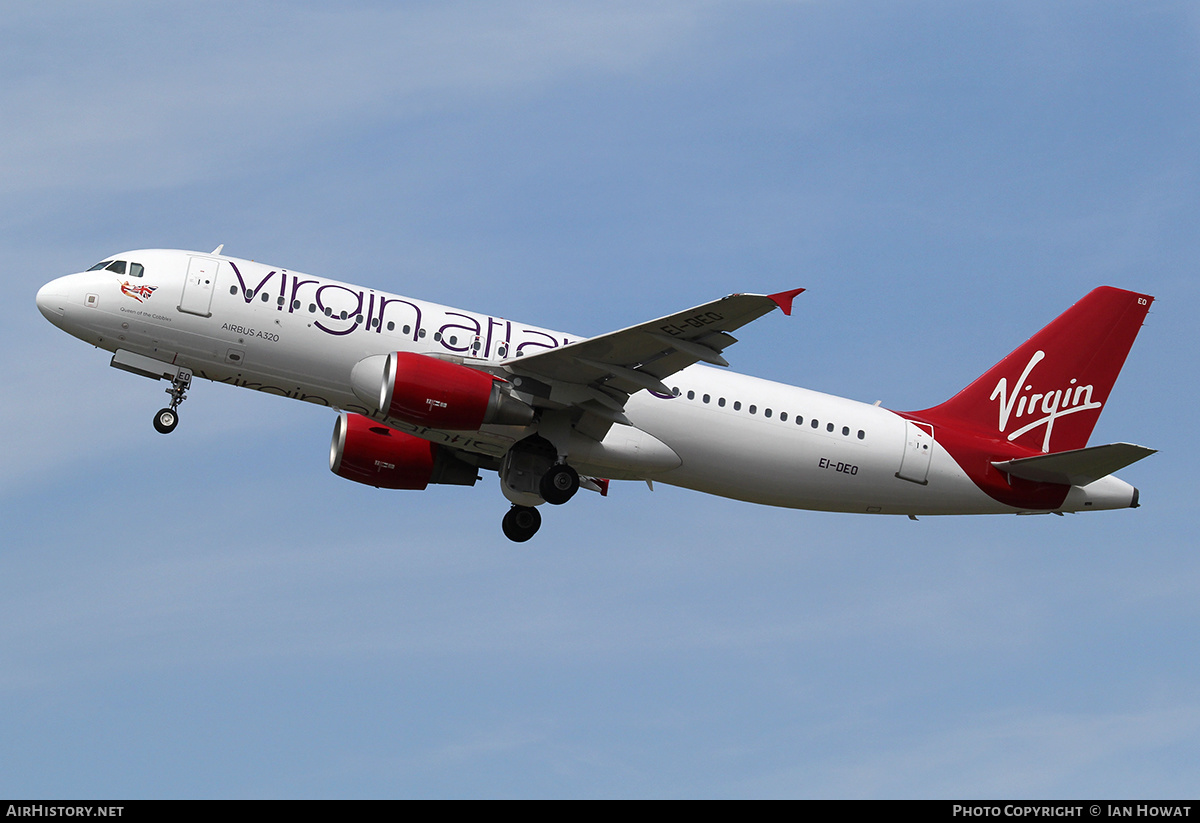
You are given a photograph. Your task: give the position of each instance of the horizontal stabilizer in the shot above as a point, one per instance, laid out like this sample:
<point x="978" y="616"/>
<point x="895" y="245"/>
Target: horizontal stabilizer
<point x="1077" y="467"/>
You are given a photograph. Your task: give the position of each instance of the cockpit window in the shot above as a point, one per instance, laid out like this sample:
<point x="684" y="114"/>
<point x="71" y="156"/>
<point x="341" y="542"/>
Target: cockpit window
<point x="100" y="265"/>
<point x="117" y="265"/>
<point x="136" y="269"/>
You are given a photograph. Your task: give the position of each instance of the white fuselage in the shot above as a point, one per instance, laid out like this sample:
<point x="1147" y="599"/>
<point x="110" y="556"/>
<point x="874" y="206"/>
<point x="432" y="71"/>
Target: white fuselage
<point x="300" y="336"/>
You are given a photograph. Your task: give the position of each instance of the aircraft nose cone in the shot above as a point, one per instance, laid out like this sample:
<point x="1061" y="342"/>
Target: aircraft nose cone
<point x="52" y="300"/>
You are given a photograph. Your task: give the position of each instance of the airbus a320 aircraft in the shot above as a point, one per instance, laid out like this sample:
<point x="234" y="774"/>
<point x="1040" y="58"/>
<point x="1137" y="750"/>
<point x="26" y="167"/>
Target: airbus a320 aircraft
<point x="431" y="394"/>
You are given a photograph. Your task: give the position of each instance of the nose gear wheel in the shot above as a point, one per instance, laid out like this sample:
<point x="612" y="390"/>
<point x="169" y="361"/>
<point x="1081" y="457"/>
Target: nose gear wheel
<point x="165" y="421"/>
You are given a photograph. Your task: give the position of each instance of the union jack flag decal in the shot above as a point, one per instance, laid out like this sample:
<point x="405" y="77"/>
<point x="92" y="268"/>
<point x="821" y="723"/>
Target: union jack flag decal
<point x="138" y="293"/>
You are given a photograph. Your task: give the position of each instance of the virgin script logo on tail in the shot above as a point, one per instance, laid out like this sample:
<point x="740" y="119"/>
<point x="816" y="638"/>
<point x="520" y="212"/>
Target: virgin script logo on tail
<point x="1051" y="404"/>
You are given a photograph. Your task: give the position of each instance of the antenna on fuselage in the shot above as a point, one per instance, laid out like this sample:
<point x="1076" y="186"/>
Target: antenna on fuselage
<point x="217" y="250"/>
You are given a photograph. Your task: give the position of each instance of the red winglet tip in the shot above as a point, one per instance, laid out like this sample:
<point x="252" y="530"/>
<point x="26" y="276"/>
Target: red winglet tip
<point x="783" y="299"/>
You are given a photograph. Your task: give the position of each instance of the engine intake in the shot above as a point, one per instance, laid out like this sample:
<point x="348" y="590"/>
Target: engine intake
<point x="371" y="453"/>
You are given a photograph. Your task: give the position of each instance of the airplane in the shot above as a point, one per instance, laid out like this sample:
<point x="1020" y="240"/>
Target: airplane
<point x="428" y="394"/>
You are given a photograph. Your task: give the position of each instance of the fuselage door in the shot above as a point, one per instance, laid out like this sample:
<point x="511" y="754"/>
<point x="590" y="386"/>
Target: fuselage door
<point x="199" y="286"/>
<point x="918" y="450"/>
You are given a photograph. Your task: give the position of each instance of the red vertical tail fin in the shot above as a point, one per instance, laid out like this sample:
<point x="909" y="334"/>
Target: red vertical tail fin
<point x="1048" y="394"/>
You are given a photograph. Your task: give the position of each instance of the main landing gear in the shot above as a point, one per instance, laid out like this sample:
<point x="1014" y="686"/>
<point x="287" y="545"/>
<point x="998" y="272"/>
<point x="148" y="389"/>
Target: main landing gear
<point x="521" y="523"/>
<point x="165" y="420"/>
<point x="534" y="472"/>
<point x="559" y="484"/>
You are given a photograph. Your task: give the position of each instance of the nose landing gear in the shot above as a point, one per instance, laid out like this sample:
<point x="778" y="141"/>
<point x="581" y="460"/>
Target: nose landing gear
<point x="165" y="420"/>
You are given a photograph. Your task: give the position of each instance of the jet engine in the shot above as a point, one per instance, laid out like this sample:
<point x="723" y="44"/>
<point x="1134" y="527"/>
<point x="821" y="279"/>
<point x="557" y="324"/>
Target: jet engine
<point x="373" y="454"/>
<point x="426" y="391"/>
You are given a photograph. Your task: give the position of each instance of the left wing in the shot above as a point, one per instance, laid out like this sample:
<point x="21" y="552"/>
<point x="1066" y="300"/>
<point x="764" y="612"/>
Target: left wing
<point x="599" y="374"/>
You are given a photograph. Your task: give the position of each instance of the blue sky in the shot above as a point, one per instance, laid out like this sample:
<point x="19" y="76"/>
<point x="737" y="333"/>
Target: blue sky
<point x="215" y="614"/>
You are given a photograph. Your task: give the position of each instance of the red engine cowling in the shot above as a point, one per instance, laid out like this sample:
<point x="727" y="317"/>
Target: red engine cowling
<point x="431" y="392"/>
<point x="371" y="453"/>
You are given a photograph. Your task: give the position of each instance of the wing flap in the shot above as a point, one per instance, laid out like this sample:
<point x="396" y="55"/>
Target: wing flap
<point x="1077" y="467"/>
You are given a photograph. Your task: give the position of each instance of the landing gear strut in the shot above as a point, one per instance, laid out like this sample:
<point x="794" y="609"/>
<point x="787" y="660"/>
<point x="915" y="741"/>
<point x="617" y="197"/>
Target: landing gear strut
<point x="165" y="420"/>
<point x="521" y="523"/>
